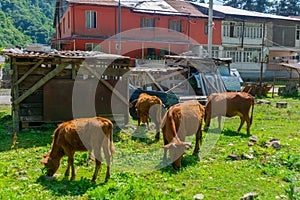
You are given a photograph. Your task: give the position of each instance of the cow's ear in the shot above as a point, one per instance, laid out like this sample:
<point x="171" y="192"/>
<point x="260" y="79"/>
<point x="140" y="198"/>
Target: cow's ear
<point x="44" y="161"/>
<point x="188" y="145"/>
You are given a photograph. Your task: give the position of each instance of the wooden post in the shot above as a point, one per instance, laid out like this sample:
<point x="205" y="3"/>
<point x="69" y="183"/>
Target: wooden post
<point x="73" y="71"/>
<point x="14" y="94"/>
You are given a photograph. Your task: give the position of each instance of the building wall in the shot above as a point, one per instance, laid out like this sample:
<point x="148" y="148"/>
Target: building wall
<point x="133" y="37"/>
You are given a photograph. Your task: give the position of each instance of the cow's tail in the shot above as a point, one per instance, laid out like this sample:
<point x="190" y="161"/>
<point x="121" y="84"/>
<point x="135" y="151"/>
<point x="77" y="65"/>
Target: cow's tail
<point x="252" y="104"/>
<point x="111" y="145"/>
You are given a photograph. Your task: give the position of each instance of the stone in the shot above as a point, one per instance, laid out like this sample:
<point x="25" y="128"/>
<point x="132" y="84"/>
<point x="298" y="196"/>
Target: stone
<point x="253" y="138"/>
<point x="249" y="196"/>
<point x="247" y="156"/>
<point x="199" y="196"/>
<point x="234" y="157"/>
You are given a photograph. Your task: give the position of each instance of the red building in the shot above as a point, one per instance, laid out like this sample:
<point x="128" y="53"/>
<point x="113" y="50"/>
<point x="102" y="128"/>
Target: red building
<point x="147" y="28"/>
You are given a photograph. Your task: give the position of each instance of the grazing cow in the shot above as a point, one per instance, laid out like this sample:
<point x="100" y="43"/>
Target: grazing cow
<point x="148" y="106"/>
<point x="229" y="104"/>
<point x="85" y="134"/>
<point x="181" y="120"/>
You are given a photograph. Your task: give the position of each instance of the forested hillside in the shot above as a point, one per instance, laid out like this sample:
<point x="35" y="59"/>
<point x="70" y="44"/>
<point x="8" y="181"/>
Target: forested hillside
<point x="26" y="21"/>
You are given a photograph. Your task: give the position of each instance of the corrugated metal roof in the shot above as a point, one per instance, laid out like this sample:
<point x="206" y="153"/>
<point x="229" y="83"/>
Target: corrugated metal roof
<point x="167" y="7"/>
<point x="62" y="54"/>
<point x="185" y="7"/>
<point x="95" y="2"/>
<point x="154" y="6"/>
<point x="235" y="11"/>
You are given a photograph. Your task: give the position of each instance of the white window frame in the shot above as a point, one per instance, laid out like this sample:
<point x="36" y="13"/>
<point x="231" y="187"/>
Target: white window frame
<point x="147" y="23"/>
<point x="174" y="25"/>
<point x="251" y="30"/>
<point x="93" y="47"/>
<point x="90" y="19"/>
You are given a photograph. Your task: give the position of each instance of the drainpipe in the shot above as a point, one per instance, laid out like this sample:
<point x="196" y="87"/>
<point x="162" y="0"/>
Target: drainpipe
<point x="119" y="28"/>
<point x="210" y="25"/>
<point x="262" y="55"/>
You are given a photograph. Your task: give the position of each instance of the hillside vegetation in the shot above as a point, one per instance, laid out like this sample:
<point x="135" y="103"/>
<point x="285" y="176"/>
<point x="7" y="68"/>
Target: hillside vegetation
<point x="26" y="21"/>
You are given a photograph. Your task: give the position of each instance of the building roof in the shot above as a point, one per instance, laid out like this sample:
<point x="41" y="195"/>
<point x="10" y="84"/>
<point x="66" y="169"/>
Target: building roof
<point x="166" y="7"/>
<point x="95" y="2"/>
<point x="185" y="7"/>
<point x="227" y="10"/>
<point x="15" y="52"/>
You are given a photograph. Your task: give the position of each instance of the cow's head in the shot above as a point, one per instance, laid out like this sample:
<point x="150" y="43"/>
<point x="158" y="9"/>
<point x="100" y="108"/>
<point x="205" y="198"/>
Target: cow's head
<point x="50" y="164"/>
<point x="176" y="151"/>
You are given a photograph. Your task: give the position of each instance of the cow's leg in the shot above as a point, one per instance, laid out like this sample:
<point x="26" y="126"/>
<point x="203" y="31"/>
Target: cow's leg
<point x="219" y="121"/>
<point x="207" y="121"/>
<point x="70" y="164"/>
<point x="98" y="160"/>
<point x="241" y="124"/>
<point x="67" y="170"/>
<point x="198" y="140"/>
<point x="157" y="128"/>
<point x="107" y="154"/>
<point x="147" y="122"/>
<point x="97" y="168"/>
<point x="165" y="150"/>
<point x="139" y="123"/>
<point x="248" y="123"/>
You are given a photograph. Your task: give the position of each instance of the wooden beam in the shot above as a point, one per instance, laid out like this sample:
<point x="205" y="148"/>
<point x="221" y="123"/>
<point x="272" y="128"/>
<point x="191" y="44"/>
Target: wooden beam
<point x="154" y="81"/>
<point x="14" y="94"/>
<point x="171" y="75"/>
<point x="98" y="76"/>
<point x="29" y="71"/>
<point x="40" y="83"/>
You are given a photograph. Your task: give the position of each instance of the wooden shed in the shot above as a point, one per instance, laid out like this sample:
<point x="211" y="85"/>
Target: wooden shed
<point x="55" y="86"/>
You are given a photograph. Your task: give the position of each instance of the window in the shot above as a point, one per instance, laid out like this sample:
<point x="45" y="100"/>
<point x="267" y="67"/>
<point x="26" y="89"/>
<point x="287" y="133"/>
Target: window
<point x="163" y="52"/>
<point x="69" y="20"/>
<point x="206" y="28"/>
<point x="298" y="33"/>
<point x="231" y="30"/>
<point x="248" y="55"/>
<point x="93" y="47"/>
<point x="175" y="25"/>
<point x="214" y="51"/>
<point x="90" y="19"/>
<point x="64" y="25"/>
<point x="238" y="30"/>
<point x="147" y="23"/>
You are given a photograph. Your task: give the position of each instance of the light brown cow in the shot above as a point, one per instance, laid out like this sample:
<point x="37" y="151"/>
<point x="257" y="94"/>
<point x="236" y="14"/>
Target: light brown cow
<point x="181" y="120"/>
<point x="229" y="104"/>
<point x="148" y="106"/>
<point x="85" y="134"/>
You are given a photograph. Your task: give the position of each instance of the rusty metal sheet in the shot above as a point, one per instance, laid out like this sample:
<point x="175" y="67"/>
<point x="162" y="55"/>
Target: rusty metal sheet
<point x="58" y="101"/>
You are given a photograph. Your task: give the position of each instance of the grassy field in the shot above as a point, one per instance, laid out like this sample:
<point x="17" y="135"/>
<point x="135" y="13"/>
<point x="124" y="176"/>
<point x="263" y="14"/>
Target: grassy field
<point x="138" y="173"/>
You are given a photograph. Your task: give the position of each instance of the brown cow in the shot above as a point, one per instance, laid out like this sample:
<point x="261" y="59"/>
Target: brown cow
<point x="229" y="104"/>
<point x="85" y="134"/>
<point x="181" y="120"/>
<point x="148" y="106"/>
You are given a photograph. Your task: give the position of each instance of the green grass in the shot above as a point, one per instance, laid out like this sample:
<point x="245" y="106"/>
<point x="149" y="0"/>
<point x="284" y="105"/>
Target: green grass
<point x="138" y="173"/>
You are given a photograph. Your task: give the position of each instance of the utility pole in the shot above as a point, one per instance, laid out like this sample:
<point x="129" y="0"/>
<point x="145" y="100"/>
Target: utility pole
<point x="210" y="25"/>
<point x="262" y="55"/>
<point x="119" y="28"/>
